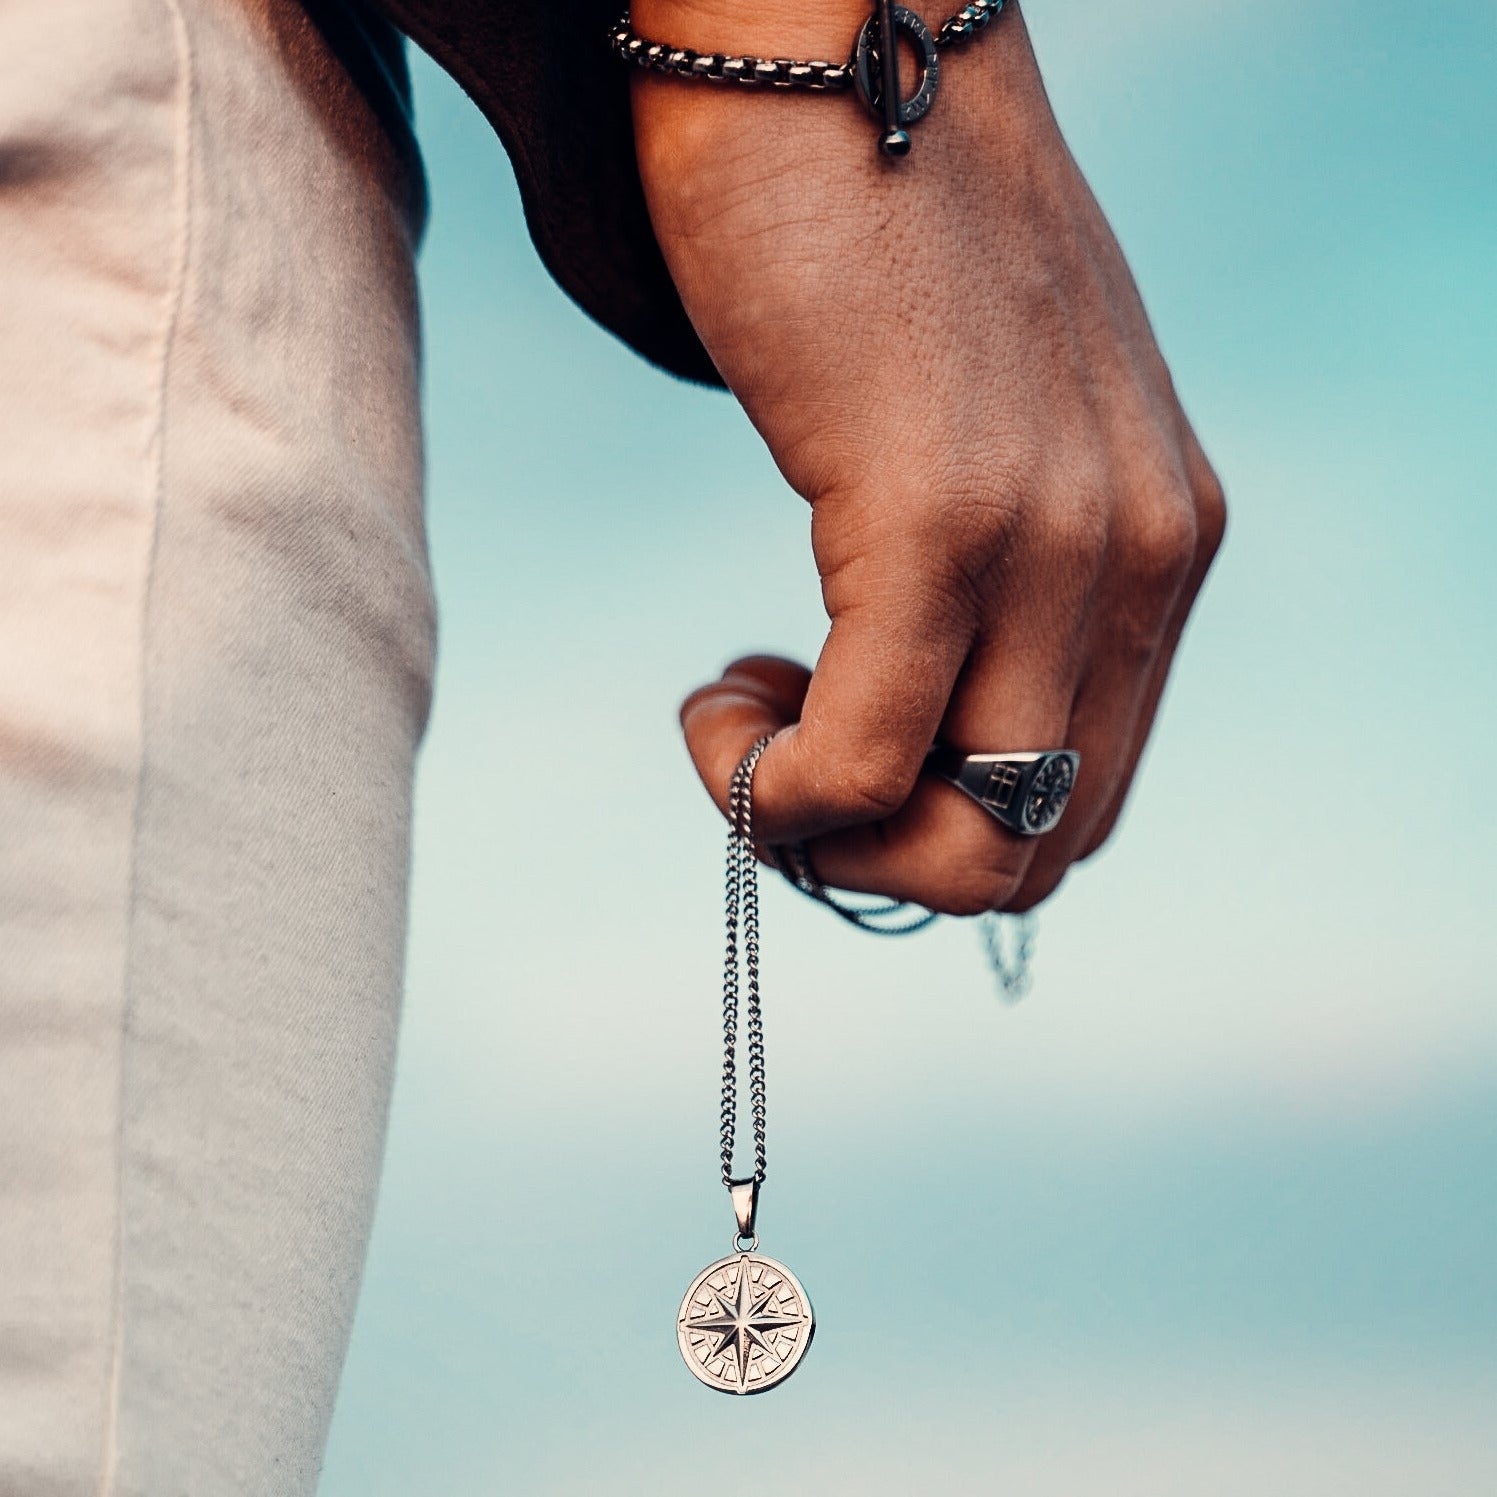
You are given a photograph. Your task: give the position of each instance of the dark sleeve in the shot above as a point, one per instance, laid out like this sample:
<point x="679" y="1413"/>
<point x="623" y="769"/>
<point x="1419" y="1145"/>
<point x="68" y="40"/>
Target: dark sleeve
<point x="542" y="73"/>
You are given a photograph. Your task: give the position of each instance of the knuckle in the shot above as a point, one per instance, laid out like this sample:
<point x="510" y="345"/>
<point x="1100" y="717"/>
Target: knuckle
<point x="1035" y="891"/>
<point x="1094" y="844"/>
<point x="1157" y="538"/>
<point x="1078" y="535"/>
<point x="977" y="892"/>
<point x="984" y="868"/>
<point x="871" y="789"/>
<point x="1101" y="834"/>
<point x="1211" y="512"/>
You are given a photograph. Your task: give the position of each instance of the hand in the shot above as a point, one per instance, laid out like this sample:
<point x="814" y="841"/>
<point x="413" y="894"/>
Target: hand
<point x="949" y="360"/>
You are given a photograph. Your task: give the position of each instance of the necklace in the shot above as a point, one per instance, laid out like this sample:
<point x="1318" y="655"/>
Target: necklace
<point x="1009" y="955"/>
<point x="745" y="1321"/>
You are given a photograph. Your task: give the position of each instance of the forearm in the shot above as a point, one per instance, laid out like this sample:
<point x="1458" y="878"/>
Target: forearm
<point x="781" y="222"/>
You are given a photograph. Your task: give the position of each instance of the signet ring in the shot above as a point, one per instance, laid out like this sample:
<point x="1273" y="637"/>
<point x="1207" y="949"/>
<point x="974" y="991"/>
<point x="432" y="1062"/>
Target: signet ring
<point x="1026" y="792"/>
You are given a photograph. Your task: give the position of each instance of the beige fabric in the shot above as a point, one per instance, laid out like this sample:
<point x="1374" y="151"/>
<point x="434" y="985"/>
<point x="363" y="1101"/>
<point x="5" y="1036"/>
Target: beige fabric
<point x="215" y="655"/>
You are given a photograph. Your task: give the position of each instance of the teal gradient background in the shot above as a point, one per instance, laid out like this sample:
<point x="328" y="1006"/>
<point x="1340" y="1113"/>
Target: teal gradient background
<point x="1213" y="1211"/>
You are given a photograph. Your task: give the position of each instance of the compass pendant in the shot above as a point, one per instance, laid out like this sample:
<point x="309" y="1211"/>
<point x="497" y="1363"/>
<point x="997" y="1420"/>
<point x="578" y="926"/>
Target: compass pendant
<point x="745" y="1323"/>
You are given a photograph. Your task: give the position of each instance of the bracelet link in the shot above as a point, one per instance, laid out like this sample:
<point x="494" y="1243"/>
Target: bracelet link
<point x="873" y="68"/>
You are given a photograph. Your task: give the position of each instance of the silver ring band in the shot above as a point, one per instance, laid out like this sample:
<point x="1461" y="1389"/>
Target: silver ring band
<point x="1025" y="792"/>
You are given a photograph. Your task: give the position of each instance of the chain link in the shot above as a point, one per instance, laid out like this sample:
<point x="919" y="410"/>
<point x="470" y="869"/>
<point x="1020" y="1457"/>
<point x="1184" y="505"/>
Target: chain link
<point x="777" y="72"/>
<point x="1010" y="956"/>
<point x="1009" y="943"/>
<point x="742" y="911"/>
<point x="967" y="22"/>
<point x="891" y="917"/>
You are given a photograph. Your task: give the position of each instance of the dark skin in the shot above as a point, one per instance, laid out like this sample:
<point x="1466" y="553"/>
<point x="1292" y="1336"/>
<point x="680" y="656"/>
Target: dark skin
<point x="948" y="359"/>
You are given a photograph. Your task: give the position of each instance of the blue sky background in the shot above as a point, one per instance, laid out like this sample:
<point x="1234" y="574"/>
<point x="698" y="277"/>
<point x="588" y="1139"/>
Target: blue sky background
<point x="1214" y="1209"/>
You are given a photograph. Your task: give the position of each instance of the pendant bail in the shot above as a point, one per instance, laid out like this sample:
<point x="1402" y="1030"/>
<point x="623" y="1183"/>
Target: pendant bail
<point x="745" y="1194"/>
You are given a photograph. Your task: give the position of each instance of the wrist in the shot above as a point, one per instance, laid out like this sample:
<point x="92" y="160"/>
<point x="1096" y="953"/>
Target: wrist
<point x="996" y="97"/>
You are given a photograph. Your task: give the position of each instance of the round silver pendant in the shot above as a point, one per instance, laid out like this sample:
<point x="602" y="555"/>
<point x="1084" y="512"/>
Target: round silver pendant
<point x="745" y="1324"/>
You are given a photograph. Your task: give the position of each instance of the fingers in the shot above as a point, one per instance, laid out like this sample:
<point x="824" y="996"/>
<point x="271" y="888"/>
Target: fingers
<point x="845" y="766"/>
<point x="1211" y="525"/>
<point x="1071" y="656"/>
<point x="756" y="696"/>
<point x="937" y="848"/>
<point x="940" y="849"/>
<point x="1105" y="818"/>
<point x="1163" y="551"/>
<point x="853" y="735"/>
<point x="1151" y="560"/>
<point x="1101" y="730"/>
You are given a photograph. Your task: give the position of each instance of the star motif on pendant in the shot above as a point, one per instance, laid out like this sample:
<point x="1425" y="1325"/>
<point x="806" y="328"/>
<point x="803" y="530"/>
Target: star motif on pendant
<point x="1049" y="792"/>
<point x="745" y="1323"/>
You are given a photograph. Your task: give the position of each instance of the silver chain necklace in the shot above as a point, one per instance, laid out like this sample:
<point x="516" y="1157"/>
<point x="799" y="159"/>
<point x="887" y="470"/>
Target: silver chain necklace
<point x="742" y="898"/>
<point x="745" y="1321"/>
<point x="1008" y="940"/>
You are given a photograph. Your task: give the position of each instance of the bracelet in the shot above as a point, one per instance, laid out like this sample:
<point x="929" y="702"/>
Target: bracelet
<point x="872" y="69"/>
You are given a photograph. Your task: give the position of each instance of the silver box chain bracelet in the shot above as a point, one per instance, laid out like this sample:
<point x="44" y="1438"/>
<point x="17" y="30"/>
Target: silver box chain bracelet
<point x="872" y="68"/>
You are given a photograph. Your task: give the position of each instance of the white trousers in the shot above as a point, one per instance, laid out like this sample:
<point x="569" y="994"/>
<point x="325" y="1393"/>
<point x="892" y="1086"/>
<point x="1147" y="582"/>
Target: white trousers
<point x="216" y="635"/>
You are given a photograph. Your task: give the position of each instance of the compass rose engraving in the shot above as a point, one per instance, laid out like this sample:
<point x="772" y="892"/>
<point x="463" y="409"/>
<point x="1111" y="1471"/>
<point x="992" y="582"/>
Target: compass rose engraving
<point x="745" y="1323"/>
<point x="1049" y="791"/>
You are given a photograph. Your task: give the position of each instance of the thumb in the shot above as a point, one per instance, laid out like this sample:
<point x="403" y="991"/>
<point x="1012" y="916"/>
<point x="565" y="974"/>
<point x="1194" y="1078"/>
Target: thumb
<point x="849" y="740"/>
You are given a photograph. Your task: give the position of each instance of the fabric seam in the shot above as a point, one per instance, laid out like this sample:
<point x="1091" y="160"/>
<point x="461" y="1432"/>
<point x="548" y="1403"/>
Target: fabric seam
<point x="156" y="445"/>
